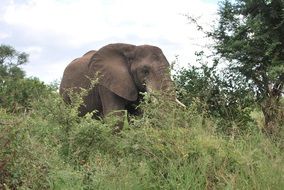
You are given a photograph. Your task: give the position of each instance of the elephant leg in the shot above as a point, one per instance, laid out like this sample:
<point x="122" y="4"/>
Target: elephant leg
<point x="112" y="104"/>
<point x="91" y="102"/>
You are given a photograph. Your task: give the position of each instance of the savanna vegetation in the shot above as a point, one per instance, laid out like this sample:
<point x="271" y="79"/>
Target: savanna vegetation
<point x="230" y="136"/>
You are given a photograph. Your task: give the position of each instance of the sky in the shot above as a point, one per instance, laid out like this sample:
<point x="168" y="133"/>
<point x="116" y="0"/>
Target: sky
<point x="54" y="32"/>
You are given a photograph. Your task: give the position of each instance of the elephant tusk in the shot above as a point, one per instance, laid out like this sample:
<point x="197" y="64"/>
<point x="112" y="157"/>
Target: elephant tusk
<point x="181" y="104"/>
<point x="149" y="90"/>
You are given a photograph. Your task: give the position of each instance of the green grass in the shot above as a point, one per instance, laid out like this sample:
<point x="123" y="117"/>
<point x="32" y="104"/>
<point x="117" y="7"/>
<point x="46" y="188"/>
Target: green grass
<point x="166" y="148"/>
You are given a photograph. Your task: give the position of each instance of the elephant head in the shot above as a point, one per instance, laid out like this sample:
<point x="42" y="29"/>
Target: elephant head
<point x="127" y="70"/>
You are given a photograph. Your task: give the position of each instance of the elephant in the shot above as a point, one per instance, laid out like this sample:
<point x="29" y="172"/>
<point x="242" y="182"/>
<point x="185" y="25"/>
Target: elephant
<point x="123" y="70"/>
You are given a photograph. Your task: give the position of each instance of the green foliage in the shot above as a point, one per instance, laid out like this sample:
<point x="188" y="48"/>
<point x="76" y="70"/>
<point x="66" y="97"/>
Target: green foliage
<point x="17" y="92"/>
<point x="10" y="60"/>
<point x="249" y="34"/>
<point x="219" y="93"/>
<point x="24" y="160"/>
<point x="17" y="95"/>
<point x="168" y="147"/>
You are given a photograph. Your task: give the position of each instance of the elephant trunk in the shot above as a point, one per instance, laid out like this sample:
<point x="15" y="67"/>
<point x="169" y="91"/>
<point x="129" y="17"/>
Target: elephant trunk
<point x="166" y="87"/>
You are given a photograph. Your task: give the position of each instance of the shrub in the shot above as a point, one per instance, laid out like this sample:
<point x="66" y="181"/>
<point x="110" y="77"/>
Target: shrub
<point x="16" y="95"/>
<point x="217" y="93"/>
<point x="167" y="147"/>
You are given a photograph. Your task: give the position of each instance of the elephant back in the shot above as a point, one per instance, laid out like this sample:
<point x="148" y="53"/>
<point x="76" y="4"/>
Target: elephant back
<point x="75" y="74"/>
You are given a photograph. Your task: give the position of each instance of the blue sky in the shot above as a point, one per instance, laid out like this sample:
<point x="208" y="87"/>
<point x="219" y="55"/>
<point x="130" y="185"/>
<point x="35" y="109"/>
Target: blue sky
<point x="54" y="32"/>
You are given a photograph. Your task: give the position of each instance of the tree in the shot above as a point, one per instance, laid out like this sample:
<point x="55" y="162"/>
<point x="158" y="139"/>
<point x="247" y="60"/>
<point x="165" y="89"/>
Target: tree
<point x="10" y="60"/>
<point x="216" y="93"/>
<point x="249" y="34"/>
<point x="16" y="91"/>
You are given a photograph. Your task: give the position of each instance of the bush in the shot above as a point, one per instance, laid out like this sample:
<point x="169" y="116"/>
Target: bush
<point x="217" y="93"/>
<point x="166" y="148"/>
<point x="16" y="95"/>
<point x="16" y="91"/>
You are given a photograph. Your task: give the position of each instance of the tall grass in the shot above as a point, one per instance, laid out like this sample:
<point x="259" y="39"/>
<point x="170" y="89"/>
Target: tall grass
<point x="165" y="148"/>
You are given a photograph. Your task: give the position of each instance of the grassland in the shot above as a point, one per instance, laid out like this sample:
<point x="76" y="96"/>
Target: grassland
<point x="50" y="147"/>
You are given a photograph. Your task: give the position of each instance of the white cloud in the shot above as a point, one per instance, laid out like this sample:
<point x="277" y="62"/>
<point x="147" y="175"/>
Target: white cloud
<point x="4" y="35"/>
<point x="35" y="51"/>
<point x="76" y="24"/>
<point x="50" y="71"/>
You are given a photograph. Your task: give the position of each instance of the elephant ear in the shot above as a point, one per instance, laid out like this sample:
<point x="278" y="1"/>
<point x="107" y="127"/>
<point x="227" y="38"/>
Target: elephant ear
<point x="111" y="65"/>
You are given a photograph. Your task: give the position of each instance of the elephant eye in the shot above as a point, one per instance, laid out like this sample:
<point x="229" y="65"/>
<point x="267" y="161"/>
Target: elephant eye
<point x="145" y="71"/>
<point x="130" y="59"/>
